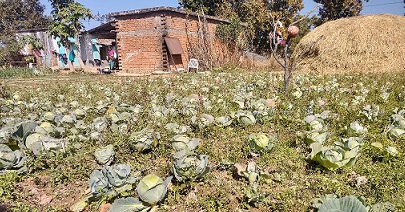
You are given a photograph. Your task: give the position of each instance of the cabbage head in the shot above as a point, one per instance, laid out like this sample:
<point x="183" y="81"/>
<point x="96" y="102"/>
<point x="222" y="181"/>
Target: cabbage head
<point x="68" y="120"/>
<point x="223" y="121"/>
<point x="152" y="189"/>
<point x="105" y="154"/>
<point x="202" y="121"/>
<point x="5" y="134"/>
<point x="370" y="112"/>
<point x="398" y="119"/>
<point x="190" y="167"/>
<point x="261" y="141"/>
<point x="349" y="203"/>
<point x="356" y="128"/>
<point x="111" y="179"/>
<point x="350" y="144"/>
<point x="315" y="124"/>
<point x="396" y="133"/>
<point x="261" y="104"/>
<point x="48" y="116"/>
<point x="10" y="159"/>
<point x="183" y="142"/>
<point x="99" y="124"/>
<point x="79" y="113"/>
<point x="99" y="183"/>
<point x="47" y="128"/>
<point x="176" y="128"/>
<point x="333" y="157"/>
<point x="244" y="118"/>
<point x="118" y="175"/>
<point x="145" y="139"/>
<point x="39" y="143"/>
<point x="313" y="136"/>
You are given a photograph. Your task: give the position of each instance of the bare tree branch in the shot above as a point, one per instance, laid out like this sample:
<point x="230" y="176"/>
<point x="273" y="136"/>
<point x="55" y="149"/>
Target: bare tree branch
<point x="288" y="63"/>
<point x="274" y="41"/>
<point x="309" y="13"/>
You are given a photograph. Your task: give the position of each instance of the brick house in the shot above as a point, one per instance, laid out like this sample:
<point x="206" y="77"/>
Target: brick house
<point x="162" y="39"/>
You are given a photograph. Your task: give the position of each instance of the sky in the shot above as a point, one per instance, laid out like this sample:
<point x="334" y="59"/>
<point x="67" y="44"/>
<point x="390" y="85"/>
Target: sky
<point x="104" y="6"/>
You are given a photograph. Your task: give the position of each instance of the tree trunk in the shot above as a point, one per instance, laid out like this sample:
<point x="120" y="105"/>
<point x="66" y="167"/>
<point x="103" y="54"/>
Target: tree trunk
<point x="287" y="71"/>
<point x="79" y="54"/>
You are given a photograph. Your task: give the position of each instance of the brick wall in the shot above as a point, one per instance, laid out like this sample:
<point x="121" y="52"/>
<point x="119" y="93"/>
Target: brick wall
<point x="139" y="43"/>
<point x="140" y="38"/>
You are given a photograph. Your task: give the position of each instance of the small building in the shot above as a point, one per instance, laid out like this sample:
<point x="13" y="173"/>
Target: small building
<point x="52" y="53"/>
<point x="162" y="39"/>
<point x="41" y="57"/>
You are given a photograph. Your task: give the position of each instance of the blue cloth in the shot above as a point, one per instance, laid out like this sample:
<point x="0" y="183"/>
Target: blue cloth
<point x="72" y="55"/>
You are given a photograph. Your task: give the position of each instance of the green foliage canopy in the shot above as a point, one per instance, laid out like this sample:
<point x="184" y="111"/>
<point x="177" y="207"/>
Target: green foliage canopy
<point x="332" y="9"/>
<point x="255" y="14"/>
<point x="66" y="20"/>
<point x="18" y="15"/>
<point x="67" y="16"/>
<point x="209" y="7"/>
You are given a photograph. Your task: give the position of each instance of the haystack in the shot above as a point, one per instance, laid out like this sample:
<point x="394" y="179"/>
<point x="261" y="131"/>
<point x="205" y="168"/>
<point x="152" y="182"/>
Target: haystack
<point x="374" y="43"/>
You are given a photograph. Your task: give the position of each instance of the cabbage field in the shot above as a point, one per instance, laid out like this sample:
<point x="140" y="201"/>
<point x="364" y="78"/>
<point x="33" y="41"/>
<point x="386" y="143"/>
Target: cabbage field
<point x="219" y="141"/>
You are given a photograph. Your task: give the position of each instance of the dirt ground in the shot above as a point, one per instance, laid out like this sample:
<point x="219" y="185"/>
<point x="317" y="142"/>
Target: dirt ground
<point x="71" y="77"/>
<point x="38" y="193"/>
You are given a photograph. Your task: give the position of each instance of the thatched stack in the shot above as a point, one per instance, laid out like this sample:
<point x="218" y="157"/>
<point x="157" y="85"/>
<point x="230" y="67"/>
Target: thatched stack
<point x="374" y="43"/>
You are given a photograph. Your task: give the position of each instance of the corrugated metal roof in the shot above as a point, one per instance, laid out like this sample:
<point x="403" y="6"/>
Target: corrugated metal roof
<point x="162" y="9"/>
<point x="106" y="42"/>
<point x="174" y="45"/>
<point x="106" y="31"/>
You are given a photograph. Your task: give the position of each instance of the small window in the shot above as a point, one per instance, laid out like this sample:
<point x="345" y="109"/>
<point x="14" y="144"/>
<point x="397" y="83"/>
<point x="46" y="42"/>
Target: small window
<point x="174" y="46"/>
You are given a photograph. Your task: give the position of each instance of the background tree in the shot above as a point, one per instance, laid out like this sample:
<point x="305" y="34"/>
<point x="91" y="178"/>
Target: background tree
<point x="254" y="13"/>
<point x="18" y="15"/>
<point x="105" y="18"/>
<point x="66" y="24"/>
<point x="210" y="7"/>
<point x="60" y="4"/>
<point x="335" y="9"/>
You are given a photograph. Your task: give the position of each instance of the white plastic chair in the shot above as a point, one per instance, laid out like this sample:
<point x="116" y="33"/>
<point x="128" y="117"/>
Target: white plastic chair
<point x="193" y="63"/>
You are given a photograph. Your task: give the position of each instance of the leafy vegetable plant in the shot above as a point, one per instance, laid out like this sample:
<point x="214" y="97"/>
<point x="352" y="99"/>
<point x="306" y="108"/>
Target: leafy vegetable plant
<point x="342" y="154"/>
<point x="129" y="204"/>
<point x="243" y="118"/>
<point x="145" y="139"/>
<point x="387" y="152"/>
<point x="152" y="189"/>
<point x="105" y="155"/>
<point x="397" y="128"/>
<point x="317" y="130"/>
<point x="11" y="160"/>
<point x="190" y="167"/>
<point x="349" y="203"/>
<point x="261" y="141"/>
<point x="183" y="142"/>
<point x="111" y="180"/>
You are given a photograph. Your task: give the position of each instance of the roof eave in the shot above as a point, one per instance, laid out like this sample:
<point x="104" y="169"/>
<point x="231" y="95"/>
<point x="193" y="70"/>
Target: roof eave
<point x="101" y="27"/>
<point x="161" y="9"/>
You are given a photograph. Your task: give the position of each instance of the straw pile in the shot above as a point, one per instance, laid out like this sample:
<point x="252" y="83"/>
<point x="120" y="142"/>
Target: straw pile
<point x="374" y="43"/>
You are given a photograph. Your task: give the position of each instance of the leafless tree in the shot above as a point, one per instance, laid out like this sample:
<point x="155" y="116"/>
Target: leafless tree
<point x="286" y="62"/>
